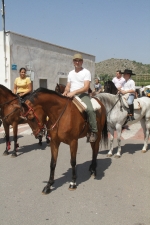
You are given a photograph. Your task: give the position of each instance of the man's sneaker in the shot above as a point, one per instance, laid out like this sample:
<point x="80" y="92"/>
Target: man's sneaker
<point x="93" y="137"/>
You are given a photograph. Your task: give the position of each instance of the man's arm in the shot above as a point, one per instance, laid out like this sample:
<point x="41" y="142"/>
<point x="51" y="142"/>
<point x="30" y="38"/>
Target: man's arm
<point x="67" y="89"/>
<point x="81" y="90"/>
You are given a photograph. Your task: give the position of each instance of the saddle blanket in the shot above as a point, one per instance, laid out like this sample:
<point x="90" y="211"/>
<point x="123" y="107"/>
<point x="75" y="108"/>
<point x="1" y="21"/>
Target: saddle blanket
<point x="82" y="106"/>
<point x="136" y="102"/>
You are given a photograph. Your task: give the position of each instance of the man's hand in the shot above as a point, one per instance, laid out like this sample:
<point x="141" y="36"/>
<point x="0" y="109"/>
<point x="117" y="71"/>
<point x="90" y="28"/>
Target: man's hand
<point x="71" y="94"/>
<point x="21" y="94"/>
<point x="122" y="92"/>
<point x="65" y="93"/>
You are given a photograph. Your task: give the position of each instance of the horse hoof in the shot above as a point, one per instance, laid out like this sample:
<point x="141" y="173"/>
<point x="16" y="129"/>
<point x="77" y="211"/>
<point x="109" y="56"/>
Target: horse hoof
<point x="46" y="190"/>
<point x="144" y="151"/>
<point x="117" y="156"/>
<point x="72" y="186"/>
<point x="14" y="155"/>
<point x="40" y="143"/>
<point x="109" y="155"/>
<point x="5" y="153"/>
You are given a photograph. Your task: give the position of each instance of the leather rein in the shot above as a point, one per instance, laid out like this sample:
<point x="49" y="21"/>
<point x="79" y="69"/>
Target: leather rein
<point x="5" y="117"/>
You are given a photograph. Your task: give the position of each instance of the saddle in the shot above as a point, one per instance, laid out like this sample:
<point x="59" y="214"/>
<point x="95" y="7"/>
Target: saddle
<point x="136" y="102"/>
<point x="82" y="106"/>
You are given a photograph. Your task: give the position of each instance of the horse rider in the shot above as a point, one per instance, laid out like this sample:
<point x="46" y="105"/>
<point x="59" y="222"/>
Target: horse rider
<point x="118" y="80"/>
<point x="78" y="84"/>
<point x="128" y="87"/>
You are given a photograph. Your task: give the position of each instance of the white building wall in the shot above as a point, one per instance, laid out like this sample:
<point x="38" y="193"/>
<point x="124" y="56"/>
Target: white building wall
<point x="47" y="61"/>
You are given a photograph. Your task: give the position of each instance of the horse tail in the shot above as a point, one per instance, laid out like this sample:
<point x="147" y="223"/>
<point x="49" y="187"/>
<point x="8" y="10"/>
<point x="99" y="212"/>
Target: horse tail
<point x="105" y="134"/>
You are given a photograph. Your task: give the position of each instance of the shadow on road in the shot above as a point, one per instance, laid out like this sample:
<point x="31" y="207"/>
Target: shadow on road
<point x="83" y="173"/>
<point x="127" y="148"/>
<point x="29" y="148"/>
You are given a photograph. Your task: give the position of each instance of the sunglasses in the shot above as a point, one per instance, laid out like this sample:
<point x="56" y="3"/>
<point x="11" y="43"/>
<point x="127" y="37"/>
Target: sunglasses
<point x="77" y="60"/>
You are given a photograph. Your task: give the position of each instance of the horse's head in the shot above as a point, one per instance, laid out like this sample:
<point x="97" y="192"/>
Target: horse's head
<point x="36" y="118"/>
<point x="109" y="87"/>
<point x="60" y="88"/>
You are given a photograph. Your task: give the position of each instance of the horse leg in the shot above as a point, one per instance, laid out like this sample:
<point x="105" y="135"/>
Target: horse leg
<point x="14" y="152"/>
<point x="95" y="149"/>
<point x="119" y="129"/>
<point x="73" y="152"/>
<point x="40" y="140"/>
<point x="111" y="142"/>
<point x="6" y="128"/>
<point x="145" y="123"/>
<point x="54" y="154"/>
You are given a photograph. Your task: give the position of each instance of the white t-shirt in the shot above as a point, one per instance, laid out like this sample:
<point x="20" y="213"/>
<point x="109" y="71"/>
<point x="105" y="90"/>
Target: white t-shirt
<point x="118" y="82"/>
<point x="128" y="85"/>
<point x="76" y="80"/>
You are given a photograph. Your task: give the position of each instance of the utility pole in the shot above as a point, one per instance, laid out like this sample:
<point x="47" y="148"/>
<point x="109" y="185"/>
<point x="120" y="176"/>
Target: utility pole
<point x="4" y="37"/>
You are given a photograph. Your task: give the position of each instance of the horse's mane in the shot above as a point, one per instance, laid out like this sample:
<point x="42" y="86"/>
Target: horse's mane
<point x="107" y="98"/>
<point x="6" y="89"/>
<point x="44" y="90"/>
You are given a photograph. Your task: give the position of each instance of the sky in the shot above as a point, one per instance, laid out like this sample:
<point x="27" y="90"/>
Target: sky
<point x="104" y="28"/>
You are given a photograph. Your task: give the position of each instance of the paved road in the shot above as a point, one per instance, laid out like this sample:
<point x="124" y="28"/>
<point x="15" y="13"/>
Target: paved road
<point x="120" y="195"/>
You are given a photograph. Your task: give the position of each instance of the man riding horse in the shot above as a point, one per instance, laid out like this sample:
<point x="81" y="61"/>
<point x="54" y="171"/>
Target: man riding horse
<point x="128" y="87"/>
<point x="78" y="84"/>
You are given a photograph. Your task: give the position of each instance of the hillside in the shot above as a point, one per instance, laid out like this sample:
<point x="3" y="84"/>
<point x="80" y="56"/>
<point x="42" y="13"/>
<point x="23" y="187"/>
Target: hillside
<point x="110" y="67"/>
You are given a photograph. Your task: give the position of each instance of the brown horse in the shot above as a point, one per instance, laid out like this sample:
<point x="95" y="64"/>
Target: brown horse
<point x="10" y="115"/>
<point x="67" y="126"/>
<point x="10" y="110"/>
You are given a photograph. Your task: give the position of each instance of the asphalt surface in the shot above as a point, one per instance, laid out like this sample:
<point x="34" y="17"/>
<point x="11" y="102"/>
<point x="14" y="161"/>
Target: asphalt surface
<point x="120" y="194"/>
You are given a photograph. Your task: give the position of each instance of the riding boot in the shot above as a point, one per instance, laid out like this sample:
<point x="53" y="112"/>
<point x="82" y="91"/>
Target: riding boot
<point x="131" y="112"/>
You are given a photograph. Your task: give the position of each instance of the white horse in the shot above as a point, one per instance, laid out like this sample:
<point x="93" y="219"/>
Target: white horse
<point x="117" y="115"/>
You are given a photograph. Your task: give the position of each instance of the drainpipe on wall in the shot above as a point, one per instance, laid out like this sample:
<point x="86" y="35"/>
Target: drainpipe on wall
<point x="4" y="37"/>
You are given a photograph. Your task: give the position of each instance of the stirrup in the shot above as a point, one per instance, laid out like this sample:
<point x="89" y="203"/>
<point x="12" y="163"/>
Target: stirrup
<point x="93" y="137"/>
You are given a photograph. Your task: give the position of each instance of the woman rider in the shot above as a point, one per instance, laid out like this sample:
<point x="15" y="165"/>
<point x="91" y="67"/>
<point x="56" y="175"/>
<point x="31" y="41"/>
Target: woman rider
<point x="22" y="84"/>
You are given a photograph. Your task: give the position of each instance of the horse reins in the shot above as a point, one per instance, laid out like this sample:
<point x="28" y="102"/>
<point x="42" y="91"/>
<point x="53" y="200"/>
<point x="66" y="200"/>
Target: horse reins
<point x="115" y="104"/>
<point x="7" y="103"/>
<point x="53" y="126"/>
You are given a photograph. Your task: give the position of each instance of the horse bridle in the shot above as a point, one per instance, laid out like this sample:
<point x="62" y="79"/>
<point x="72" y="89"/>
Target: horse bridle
<point x="40" y="126"/>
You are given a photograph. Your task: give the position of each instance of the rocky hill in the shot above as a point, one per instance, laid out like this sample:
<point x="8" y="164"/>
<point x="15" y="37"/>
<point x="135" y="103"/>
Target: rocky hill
<point x="110" y="67"/>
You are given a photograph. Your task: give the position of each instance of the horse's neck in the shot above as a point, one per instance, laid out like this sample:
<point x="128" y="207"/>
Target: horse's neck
<point x="51" y="101"/>
<point x="4" y="96"/>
